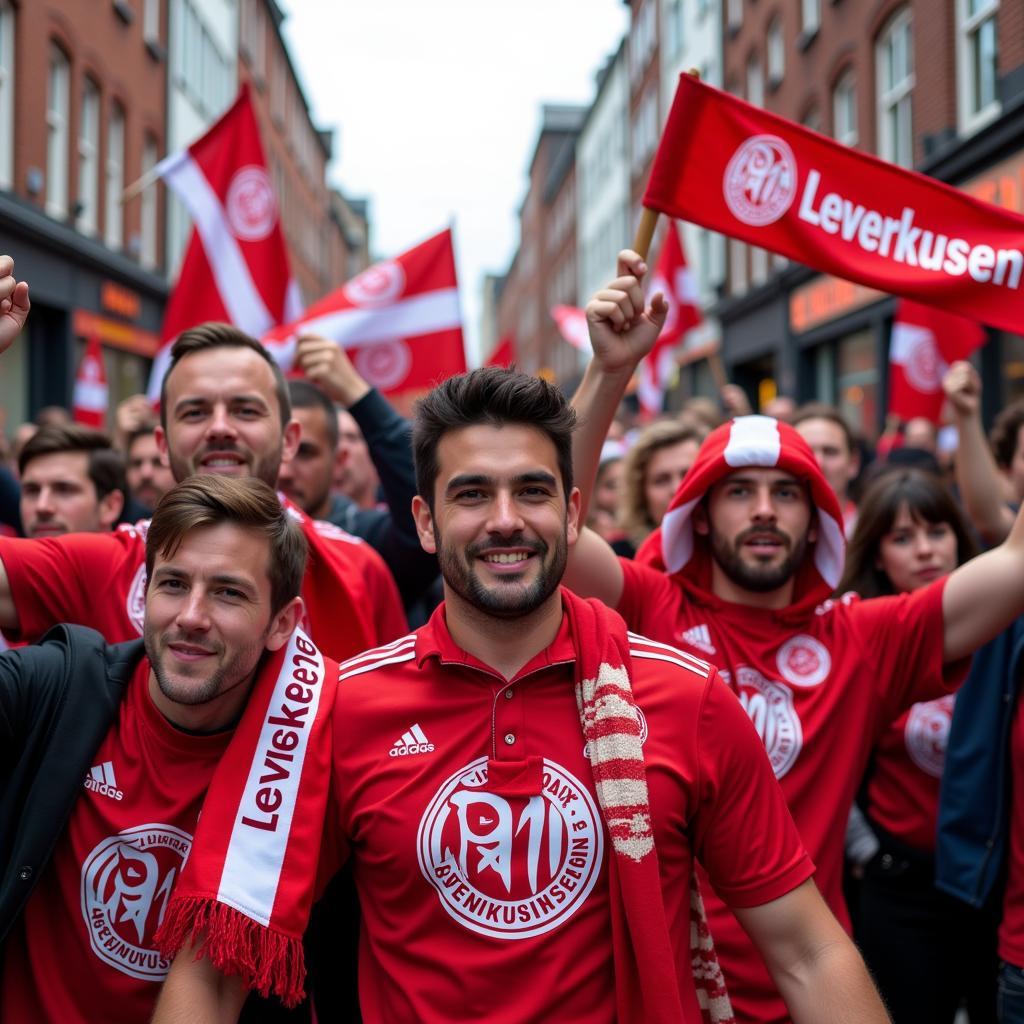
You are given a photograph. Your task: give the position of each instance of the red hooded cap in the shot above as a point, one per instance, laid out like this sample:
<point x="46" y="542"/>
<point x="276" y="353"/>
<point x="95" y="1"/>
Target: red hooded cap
<point x="766" y="443"/>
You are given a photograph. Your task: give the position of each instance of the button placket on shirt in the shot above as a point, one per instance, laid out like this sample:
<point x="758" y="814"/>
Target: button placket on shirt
<point x="510" y="722"/>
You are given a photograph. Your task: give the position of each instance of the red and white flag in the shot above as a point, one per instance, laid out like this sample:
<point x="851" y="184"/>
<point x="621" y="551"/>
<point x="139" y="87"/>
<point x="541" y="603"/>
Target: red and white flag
<point x="671" y="277"/>
<point x="91" y="396"/>
<point x="400" y="320"/>
<point x="752" y="175"/>
<point x="572" y="325"/>
<point x="236" y="265"/>
<point x="924" y="342"/>
<point x="504" y="353"/>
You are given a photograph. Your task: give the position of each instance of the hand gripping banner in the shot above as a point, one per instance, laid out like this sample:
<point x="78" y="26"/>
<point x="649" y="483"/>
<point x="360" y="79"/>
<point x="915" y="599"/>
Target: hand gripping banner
<point x="740" y="170"/>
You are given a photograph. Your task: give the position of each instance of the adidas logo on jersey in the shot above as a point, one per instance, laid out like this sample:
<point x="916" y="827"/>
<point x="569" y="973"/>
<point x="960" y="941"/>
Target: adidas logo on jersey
<point x="699" y="637"/>
<point x="101" y="780"/>
<point x="413" y="741"/>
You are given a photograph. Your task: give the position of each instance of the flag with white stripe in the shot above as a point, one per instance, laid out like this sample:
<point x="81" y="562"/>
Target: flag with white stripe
<point x="236" y="264"/>
<point x="90" y="398"/>
<point x="400" y="321"/>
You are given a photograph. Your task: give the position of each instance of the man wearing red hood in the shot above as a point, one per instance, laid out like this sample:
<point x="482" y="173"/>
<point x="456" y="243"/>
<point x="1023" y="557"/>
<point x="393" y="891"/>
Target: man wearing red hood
<point x="741" y="574"/>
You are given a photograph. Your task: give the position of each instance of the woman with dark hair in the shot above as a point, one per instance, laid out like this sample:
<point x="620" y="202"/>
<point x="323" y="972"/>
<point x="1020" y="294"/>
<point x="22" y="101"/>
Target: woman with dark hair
<point x="927" y="951"/>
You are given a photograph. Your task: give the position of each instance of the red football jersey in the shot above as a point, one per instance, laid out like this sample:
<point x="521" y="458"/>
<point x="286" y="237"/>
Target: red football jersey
<point x="83" y="949"/>
<point x="99" y="580"/>
<point x="819" y="694"/>
<point x="906" y="771"/>
<point x="467" y="807"/>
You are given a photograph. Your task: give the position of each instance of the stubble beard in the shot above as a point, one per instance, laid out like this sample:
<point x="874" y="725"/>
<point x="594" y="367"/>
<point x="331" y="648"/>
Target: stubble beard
<point x="759" y="579"/>
<point x="509" y="600"/>
<point x="193" y="692"/>
<point x="264" y="468"/>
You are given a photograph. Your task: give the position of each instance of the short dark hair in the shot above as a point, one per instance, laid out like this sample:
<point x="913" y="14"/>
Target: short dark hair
<point x="218" y="335"/>
<point x="1005" y="432"/>
<point x="926" y="497"/>
<point x="144" y="430"/>
<point x="490" y="396"/>
<point x="305" y="395"/>
<point x="105" y="463"/>
<point x="209" y="500"/>
<point x="821" y="411"/>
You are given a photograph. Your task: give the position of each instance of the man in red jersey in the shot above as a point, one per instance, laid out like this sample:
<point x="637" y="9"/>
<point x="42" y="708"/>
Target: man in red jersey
<point x="110" y="749"/>
<point x="522" y="788"/>
<point x="741" y="573"/>
<point x="224" y="410"/>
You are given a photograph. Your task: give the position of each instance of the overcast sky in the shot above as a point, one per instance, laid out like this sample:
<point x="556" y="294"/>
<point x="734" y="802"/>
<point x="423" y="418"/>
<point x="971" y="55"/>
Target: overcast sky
<point x="436" y="107"/>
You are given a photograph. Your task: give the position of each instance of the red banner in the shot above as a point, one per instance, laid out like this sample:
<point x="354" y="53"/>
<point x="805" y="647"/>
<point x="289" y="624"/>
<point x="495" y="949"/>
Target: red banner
<point x="504" y="353"/>
<point x="400" y="320"/>
<point x="740" y="170"/>
<point x="924" y="341"/>
<point x="90" y="398"/>
<point x="572" y="326"/>
<point x="236" y="265"/>
<point x="671" y="277"/>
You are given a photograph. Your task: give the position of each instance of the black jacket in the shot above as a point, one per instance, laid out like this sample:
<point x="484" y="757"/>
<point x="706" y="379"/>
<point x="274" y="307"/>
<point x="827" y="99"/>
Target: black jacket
<point x="58" y="698"/>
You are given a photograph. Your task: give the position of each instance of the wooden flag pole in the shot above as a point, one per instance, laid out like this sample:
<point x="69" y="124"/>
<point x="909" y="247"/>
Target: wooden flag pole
<point x="140" y="184"/>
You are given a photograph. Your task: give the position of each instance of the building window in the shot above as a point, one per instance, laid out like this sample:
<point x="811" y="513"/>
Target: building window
<point x="151" y="21"/>
<point x="6" y="94"/>
<point x="148" y="219"/>
<point x="114" y="234"/>
<point x="87" y="219"/>
<point x="812" y="118"/>
<point x="977" y="51"/>
<point x="810" y="16"/>
<point x="844" y="110"/>
<point x="673" y="29"/>
<point x="776" y="52"/>
<point x="737" y="267"/>
<point x="755" y="81"/>
<point x="57" y="135"/>
<point x="758" y="265"/>
<point x="734" y="14"/>
<point x="894" y="61"/>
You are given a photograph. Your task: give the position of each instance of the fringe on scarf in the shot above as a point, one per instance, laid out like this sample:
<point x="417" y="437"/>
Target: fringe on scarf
<point x="266" y="960"/>
<point x="712" y="994"/>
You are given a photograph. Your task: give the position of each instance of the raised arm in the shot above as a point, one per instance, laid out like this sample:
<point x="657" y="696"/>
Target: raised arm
<point x="977" y="474"/>
<point x="622" y="332"/>
<point x="812" y="960"/>
<point x="14" y="304"/>
<point x="195" y="992"/>
<point x="14" y="307"/>
<point x="984" y="595"/>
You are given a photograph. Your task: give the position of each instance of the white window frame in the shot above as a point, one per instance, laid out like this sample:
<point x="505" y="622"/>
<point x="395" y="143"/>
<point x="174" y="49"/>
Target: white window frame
<point x="971" y="115"/>
<point x="89" y="159"/>
<point x="844" y="101"/>
<point x="148" y="217"/>
<point x="113" y="233"/>
<point x="810" y="16"/>
<point x="755" y="80"/>
<point x="738" y="278"/>
<point x="6" y="94"/>
<point x="776" y="44"/>
<point x="895" y="98"/>
<point x="151" y="21"/>
<point x="57" y="133"/>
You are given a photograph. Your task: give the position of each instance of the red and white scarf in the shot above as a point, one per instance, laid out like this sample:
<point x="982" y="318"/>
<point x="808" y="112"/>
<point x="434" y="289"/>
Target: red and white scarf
<point x="247" y="887"/>
<point x="646" y="987"/>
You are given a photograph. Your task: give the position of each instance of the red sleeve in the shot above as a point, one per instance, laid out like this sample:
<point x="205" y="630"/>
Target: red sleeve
<point x="76" y="578"/>
<point x="743" y="833"/>
<point x="904" y="636"/>
<point x="644" y="590"/>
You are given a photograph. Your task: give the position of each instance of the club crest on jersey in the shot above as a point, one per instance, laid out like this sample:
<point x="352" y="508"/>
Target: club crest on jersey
<point x="803" y="661"/>
<point x="511" y="868"/>
<point x="126" y="882"/>
<point x="769" y="706"/>
<point x="136" y="606"/>
<point x="927" y="733"/>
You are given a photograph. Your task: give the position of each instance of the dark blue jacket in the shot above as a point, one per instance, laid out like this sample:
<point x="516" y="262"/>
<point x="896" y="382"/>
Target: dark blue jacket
<point x="974" y="801"/>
